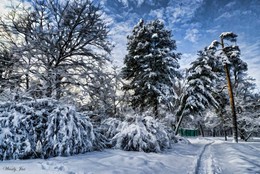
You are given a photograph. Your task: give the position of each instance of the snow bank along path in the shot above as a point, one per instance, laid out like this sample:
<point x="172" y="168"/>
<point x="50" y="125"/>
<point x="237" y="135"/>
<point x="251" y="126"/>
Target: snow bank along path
<point x="203" y="155"/>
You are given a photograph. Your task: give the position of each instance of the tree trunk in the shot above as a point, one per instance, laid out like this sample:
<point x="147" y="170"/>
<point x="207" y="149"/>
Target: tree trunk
<point x="242" y="134"/>
<point x="248" y="136"/>
<point x="201" y="130"/>
<point x="232" y="105"/>
<point x="179" y="113"/>
<point x="178" y="124"/>
<point x="231" y="99"/>
<point x="58" y="86"/>
<point x="213" y="133"/>
<point x="225" y="134"/>
<point x="27" y="81"/>
<point x="49" y="87"/>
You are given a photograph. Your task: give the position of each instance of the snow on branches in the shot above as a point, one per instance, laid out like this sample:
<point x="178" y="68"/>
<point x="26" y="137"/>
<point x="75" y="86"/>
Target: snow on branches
<point x="138" y="133"/>
<point x="43" y="128"/>
<point x="228" y="36"/>
<point x="214" y="44"/>
<point x="151" y="66"/>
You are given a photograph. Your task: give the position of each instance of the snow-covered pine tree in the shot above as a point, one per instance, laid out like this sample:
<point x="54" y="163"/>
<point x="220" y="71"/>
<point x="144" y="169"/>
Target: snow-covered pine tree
<point x="201" y="82"/>
<point x="200" y="88"/>
<point x="151" y="66"/>
<point x="233" y="65"/>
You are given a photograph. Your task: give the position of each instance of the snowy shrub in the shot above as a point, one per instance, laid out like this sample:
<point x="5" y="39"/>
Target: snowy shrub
<point x="140" y="133"/>
<point x="67" y="133"/>
<point x="110" y="127"/>
<point x="101" y="141"/>
<point x="44" y="128"/>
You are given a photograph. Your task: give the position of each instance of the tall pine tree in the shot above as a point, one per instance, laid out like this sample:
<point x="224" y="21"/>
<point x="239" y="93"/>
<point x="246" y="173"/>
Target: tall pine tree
<point x="200" y="88"/>
<point x="151" y="66"/>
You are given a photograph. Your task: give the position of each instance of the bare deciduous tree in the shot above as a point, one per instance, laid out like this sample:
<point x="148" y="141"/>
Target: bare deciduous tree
<point x="58" y="42"/>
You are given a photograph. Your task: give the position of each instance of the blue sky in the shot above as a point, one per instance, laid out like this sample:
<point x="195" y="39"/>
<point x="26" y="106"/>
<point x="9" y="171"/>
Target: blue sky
<point x="194" y="24"/>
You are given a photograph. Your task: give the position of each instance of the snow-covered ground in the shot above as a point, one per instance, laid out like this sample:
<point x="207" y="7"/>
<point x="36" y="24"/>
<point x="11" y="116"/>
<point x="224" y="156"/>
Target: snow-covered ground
<point x="203" y="155"/>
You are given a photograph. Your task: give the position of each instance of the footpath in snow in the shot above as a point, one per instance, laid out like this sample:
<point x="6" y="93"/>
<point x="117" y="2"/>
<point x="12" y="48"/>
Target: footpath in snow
<point x="202" y="156"/>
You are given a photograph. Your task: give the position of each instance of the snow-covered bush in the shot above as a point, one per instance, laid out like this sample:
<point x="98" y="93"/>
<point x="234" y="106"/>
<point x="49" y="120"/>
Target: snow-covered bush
<point x="44" y="128"/>
<point x="110" y="127"/>
<point x="138" y="133"/>
<point x="101" y="141"/>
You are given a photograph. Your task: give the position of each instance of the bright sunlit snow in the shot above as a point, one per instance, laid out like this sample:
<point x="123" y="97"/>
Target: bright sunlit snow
<point x="203" y="155"/>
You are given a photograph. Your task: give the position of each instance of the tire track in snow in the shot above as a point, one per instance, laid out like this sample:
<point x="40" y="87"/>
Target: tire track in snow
<point x="205" y="161"/>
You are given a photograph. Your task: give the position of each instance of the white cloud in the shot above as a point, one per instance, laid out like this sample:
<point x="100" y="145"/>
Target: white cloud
<point x="181" y="11"/>
<point x="174" y="14"/>
<point x="186" y="60"/>
<point x="192" y="35"/>
<point x="140" y="2"/>
<point x="231" y="4"/>
<point x="127" y="2"/>
<point x="118" y="35"/>
<point x="229" y="15"/>
<point x="158" y="13"/>
<point x="212" y="31"/>
<point x="225" y="15"/>
<point x="250" y="53"/>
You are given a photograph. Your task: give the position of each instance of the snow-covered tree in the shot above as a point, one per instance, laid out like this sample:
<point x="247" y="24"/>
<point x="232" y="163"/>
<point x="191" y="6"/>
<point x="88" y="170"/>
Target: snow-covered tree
<point x="58" y="42"/>
<point x="44" y="128"/>
<point x="8" y="78"/>
<point x="239" y="85"/>
<point x="232" y="64"/>
<point x="103" y="90"/>
<point x="151" y="66"/>
<point x="201" y="82"/>
<point x="200" y="89"/>
<point x="248" y="108"/>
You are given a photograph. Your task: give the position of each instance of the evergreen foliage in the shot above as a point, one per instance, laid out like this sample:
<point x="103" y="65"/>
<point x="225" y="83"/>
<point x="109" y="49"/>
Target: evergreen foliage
<point x="201" y="82"/>
<point x="151" y="66"/>
<point x="200" y="89"/>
